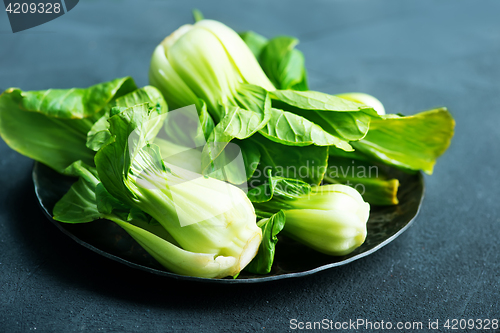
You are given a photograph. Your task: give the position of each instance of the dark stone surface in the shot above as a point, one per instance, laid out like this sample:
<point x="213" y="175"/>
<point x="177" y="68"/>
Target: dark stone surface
<point x="411" y="55"/>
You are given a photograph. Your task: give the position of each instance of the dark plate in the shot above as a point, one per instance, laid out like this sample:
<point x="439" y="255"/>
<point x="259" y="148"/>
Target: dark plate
<point x="292" y="259"/>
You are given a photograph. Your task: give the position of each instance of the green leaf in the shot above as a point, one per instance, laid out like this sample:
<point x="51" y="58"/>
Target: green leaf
<point x="55" y="142"/>
<point x="254" y="41"/>
<point x="411" y="142"/>
<point x="308" y="163"/>
<point x="107" y="204"/>
<point x="347" y="167"/>
<point x="251" y="156"/>
<point x="314" y="100"/>
<point x="78" y="205"/>
<point x="87" y="199"/>
<point x="188" y="127"/>
<point x="147" y="94"/>
<point x="351" y="126"/>
<point x="197" y="15"/>
<point x="283" y="64"/>
<point x="51" y="126"/>
<point x="293" y="130"/>
<point x="242" y="121"/>
<point x="284" y="187"/>
<point x="131" y="129"/>
<point x="76" y="103"/>
<point x="206" y="121"/>
<point x="254" y="98"/>
<point x="364" y="99"/>
<point x="237" y="123"/>
<point x="339" y="117"/>
<point x="271" y="227"/>
<point x="99" y="133"/>
<point x="356" y="155"/>
<point x="276" y="194"/>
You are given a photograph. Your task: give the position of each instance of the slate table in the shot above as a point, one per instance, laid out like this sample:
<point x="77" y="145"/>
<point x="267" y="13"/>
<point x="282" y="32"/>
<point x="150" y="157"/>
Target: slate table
<point x="412" y="55"/>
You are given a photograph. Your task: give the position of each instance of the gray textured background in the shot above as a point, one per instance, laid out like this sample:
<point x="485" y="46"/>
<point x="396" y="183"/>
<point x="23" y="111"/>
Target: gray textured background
<point x="412" y="55"/>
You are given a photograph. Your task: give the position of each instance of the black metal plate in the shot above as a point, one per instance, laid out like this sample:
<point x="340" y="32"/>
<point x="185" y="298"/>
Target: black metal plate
<point x="292" y="259"/>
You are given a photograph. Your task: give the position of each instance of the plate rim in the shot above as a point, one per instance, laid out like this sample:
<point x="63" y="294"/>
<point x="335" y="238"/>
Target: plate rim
<point x="223" y="281"/>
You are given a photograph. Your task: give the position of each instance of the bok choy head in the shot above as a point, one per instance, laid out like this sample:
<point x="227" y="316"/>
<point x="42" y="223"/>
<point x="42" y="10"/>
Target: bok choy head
<point x="329" y="218"/>
<point x="203" y="215"/>
<point x="207" y="60"/>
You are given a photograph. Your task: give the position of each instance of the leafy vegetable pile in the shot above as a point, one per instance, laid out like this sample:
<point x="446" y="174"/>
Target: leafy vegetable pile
<point x="299" y="149"/>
